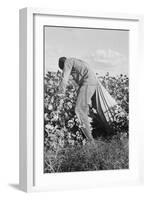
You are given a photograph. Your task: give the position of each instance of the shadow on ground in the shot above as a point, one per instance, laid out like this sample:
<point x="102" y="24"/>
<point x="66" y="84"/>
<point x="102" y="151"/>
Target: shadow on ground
<point x="15" y="186"/>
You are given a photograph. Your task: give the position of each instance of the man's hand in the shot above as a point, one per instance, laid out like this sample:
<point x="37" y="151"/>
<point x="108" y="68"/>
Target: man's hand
<point x="61" y="94"/>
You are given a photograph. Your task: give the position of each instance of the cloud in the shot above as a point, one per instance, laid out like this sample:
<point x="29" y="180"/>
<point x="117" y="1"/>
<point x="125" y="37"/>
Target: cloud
<point x="108" y="58"/>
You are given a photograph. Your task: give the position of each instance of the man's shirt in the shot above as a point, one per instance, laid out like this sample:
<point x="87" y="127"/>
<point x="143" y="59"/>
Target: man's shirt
<point x="80" y="71"/>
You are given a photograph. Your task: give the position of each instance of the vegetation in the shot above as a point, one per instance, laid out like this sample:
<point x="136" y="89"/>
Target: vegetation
<point x="65" y="147"/>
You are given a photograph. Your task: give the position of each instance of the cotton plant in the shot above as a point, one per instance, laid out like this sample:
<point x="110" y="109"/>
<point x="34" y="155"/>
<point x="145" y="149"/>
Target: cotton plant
<point x="61" y="126"/>
<point x="62" y="118"/>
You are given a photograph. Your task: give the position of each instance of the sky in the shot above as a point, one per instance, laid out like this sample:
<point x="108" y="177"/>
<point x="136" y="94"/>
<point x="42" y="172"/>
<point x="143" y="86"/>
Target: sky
<point x="104" y="50"/>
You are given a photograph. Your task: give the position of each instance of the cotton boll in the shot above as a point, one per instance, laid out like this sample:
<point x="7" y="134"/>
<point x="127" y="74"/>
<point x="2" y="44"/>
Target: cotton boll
<point x="50" y="107"/>
<point x="48" y="126"/>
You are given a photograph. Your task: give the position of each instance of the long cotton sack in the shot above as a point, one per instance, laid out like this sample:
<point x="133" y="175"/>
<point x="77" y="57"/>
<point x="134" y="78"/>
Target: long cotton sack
<point x="104" y="103"/>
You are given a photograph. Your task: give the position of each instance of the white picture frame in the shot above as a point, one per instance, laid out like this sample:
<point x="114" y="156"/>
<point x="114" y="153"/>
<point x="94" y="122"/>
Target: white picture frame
<point x="31" y="86"/>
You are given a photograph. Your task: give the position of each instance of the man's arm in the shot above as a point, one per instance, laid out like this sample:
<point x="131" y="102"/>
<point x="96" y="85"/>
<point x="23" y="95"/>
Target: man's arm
<point x="66" y="73"/>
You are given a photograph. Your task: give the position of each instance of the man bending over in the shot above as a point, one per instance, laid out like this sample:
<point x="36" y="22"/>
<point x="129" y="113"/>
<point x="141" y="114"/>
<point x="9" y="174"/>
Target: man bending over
<point x="86" y="79"/>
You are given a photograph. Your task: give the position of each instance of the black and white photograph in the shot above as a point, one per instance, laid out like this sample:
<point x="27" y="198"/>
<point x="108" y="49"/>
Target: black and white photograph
<point x="86" y="99"/>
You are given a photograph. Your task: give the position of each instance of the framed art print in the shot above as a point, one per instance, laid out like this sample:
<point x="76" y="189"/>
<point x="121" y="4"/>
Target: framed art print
<point x="79" y="84"/>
